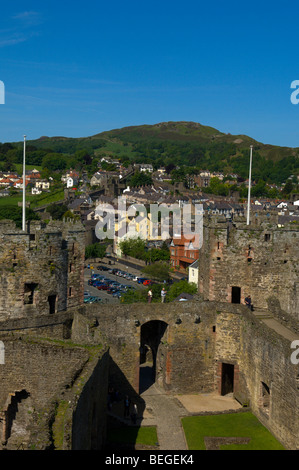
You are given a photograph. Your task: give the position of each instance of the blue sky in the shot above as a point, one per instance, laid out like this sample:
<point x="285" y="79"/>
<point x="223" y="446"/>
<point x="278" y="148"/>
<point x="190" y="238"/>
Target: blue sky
<point x="79" y="70"/>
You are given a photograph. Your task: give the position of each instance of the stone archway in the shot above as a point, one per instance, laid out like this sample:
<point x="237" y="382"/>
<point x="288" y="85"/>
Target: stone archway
<point x="151" y="335"/>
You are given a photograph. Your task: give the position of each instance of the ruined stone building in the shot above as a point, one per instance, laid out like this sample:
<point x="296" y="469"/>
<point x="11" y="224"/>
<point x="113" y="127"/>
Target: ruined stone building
<point x="261" y="260"/>
<point x="58" y="356"/>
<point x="41" y="269"/>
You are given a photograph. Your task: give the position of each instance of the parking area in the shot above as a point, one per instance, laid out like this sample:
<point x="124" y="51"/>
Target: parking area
<point x="106" y="284"/>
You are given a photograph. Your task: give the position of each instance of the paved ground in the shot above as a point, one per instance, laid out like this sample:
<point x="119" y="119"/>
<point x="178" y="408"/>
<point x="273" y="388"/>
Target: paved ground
<point x="165" y="412"/>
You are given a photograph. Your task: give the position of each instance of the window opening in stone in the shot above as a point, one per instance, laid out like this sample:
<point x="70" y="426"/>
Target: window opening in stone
<point x="236" y="295"/>
<point x="267" y="237"/>
<point x="265" y="398"/>
<point x="52" y="304"/>
<point x="29" y="293"/>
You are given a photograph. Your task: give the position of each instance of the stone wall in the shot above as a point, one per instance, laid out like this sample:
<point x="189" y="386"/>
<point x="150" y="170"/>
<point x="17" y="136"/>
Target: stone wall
<point x="260" y="259"/>
<point x="41" y="269"/>
<point x="200" y="340"/>
<point x="37" y="377"/>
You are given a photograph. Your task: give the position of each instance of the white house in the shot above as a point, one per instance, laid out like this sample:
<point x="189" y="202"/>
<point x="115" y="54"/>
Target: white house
<point x="43" y="184"/>
<point x="71" y="182"/>
<point x="193" y="272"/>
<point x="36" y="191"/>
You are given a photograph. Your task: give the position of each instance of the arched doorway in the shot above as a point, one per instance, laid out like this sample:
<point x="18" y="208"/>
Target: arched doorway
<point x="151" y="335"/>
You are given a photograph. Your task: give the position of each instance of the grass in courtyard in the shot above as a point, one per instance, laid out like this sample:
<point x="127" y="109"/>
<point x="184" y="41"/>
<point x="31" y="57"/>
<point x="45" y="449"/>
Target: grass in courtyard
<point x="196" y="428"/>
<point x="133" y="435"/>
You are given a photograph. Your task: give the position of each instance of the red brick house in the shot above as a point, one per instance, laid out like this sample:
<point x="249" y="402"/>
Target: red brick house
<point x="183" y="252"/>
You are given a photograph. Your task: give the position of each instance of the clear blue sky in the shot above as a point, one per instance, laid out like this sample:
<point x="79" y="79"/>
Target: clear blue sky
<point x="79" y="68"/>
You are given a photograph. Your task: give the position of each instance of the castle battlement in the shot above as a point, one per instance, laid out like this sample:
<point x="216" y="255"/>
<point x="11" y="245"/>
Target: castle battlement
<point x="41" y="269"/>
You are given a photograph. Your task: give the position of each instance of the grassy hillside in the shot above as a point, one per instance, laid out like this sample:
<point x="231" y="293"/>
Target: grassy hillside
<point x="179" y="132"/>
<point x="187" y="144"/>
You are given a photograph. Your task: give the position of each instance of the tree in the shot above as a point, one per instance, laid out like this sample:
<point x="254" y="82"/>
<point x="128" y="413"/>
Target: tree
<point x="15" y="214"/>
<point x="179" y="287"/>
<point x="57" y="211"/>
<point x="158" y="254"/>
<point x="141" y="179"/>
<point x="54" y="161"/>
<point x="288" y="188"/>
<point x="134" y="247"/>
<point x="157" y="271"/>
<point x="96" y="250"/>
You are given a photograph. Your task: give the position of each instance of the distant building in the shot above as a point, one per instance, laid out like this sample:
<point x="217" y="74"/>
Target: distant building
<point x="193" y="272"/>
<point x="183" y="252"/>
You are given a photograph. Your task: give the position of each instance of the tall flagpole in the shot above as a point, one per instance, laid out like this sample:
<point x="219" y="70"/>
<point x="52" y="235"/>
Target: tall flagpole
<point x="24" y="188"/>
<point x="249" y="186"/>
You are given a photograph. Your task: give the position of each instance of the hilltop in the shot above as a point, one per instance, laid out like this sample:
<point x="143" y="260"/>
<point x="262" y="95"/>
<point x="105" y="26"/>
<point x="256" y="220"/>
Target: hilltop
<point x="184" y="144"/>
<point x="179" y="132"/>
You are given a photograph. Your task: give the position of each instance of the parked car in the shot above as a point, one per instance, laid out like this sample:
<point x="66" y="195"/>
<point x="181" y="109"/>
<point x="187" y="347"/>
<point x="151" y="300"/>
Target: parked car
<point x="103" y="287"/>
<point x="96" y="276"/>
<point x="141" y="280"/>
<point x="147" y="282"/>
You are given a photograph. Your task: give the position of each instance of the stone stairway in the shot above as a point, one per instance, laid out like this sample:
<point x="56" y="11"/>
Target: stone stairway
<point x="262" y="313"/>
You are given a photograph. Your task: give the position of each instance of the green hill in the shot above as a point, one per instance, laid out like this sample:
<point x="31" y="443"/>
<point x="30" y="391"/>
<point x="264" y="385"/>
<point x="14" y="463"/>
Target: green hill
<point x="184" y="144"/>
<point x="179" y="132"/>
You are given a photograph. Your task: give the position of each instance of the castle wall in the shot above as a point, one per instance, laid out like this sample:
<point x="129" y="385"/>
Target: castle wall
<point x="66" y="393"/>
<point x="192" y="356"/>
<point x="260" y="259"/>
<point x="41" y="270"/>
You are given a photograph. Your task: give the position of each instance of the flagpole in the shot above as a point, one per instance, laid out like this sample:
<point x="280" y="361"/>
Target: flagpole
<point x="249" y="186"/>
<point x="24" y="188"/>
